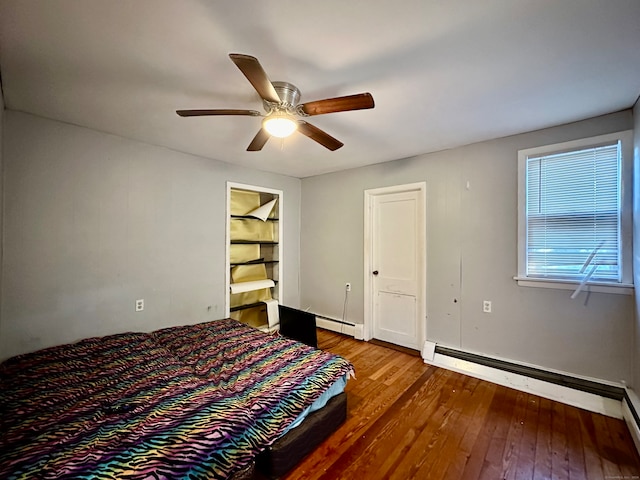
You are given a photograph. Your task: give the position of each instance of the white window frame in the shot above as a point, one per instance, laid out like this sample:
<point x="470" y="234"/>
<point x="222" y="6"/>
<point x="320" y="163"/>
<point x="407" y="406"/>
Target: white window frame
<point x="626" y="225"/>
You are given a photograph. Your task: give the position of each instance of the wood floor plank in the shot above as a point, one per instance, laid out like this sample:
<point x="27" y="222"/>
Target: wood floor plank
<point x="592" y="458"/>
<point x="473" y="416"/>
<point x="478" y="453"/>
<point x="610" y="467"/>
<point x="510" y="456"/>
<point x="622" y="447"/>
<point x="528" y="441"/>
<point x="430" y="433"/>
<point x="406" y="367"/>
<point x="435" y="432"/>
<point x="452" y="432"/>
<point x="492" y="466"/>
<point x="411" y="425"/>
<point x="559" y="456"/>
<point x="577" y="466"/>
<point x="542" y="462"/>
<point x="409" y="420"/>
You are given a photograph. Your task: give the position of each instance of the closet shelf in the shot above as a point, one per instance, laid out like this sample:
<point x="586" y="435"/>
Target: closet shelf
<point x="242" y="287"/>
<point x="251" y="217"/>
<point x="253" y="262"/>
<point x="248" y="305"/>
<point x="253" y="242"/>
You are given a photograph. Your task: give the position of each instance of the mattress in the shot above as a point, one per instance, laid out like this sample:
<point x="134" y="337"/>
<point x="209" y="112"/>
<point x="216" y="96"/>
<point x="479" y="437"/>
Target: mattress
<point x="334" y="390"/>
<point x="198" y="401"/>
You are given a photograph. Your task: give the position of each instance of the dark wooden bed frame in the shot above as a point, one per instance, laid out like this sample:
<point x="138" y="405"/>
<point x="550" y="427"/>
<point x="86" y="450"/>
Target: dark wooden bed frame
<point x="288" y="450"/>
<point x="278" y="459"/>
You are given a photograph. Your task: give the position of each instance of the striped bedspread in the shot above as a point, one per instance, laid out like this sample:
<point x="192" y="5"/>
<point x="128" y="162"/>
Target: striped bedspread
<point x="195" y="402"/>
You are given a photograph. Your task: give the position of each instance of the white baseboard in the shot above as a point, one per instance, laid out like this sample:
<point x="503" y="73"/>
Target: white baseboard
<point x="335" y="326"/>
<point x="570" y="396"/>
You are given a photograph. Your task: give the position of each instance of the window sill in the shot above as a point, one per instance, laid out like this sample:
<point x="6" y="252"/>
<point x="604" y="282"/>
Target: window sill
<point x="597" y="287"/>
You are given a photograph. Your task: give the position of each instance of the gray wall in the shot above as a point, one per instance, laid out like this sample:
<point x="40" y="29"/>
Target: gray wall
<point x="636" y="244"/>
<point x="94" y="221"/>
<point x="471" y="256"/>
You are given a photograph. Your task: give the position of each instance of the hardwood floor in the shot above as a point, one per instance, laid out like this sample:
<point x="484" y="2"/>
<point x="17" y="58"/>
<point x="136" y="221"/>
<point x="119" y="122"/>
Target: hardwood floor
<point x="409" y="420"/>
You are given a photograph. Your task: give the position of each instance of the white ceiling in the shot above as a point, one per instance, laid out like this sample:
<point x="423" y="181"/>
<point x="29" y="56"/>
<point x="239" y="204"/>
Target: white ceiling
<point x="442" y="73"/>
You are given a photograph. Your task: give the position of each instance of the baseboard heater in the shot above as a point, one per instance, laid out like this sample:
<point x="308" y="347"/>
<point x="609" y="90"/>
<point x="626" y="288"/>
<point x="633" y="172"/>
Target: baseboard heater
<point x="634" y="412"/>
<point x="588" y="386"/>
<point x="336" y="325"/>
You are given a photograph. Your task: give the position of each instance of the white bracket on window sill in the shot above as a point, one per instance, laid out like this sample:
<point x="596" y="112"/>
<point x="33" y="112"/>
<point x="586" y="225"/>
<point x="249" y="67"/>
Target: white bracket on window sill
<point x="591" y="272"/>
<point x="584" y="281"/>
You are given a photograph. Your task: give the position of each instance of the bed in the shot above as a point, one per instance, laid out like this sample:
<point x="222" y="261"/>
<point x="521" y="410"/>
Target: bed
<point x="200" y="402"/>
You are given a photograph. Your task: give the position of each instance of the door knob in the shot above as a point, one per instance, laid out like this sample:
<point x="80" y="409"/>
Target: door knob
<point x="375" y="272"/>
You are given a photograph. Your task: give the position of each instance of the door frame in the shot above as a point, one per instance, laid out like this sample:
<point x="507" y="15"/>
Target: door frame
<point x="369" y="294"/>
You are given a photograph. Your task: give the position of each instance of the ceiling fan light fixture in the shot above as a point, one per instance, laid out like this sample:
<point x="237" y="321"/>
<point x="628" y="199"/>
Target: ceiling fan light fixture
<point x="280" y="126"/>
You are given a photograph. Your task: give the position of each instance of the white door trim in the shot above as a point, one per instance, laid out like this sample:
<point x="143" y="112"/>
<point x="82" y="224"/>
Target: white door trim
<point x="369" y="296"/>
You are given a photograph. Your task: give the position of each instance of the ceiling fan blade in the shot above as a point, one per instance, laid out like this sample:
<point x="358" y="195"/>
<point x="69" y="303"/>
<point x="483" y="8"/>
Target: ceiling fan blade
<point x="200" y="113"/>
<point x="359" y="101"/>
<point x="256" y="75"/>
<point x="320" y="136"/>
<point x="258" y="141"/>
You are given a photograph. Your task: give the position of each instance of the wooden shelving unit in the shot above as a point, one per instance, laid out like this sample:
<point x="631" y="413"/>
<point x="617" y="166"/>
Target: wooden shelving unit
<point x="254" y="230"/>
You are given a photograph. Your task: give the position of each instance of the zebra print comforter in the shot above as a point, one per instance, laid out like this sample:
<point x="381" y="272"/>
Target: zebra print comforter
<point x="195" y="402"/>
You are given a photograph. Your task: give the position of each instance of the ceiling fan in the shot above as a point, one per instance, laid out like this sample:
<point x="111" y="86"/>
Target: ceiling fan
<point x="280" y="101"/>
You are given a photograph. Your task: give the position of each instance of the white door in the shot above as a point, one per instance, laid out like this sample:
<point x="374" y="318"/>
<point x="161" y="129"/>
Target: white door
<point x="397" y="267"/>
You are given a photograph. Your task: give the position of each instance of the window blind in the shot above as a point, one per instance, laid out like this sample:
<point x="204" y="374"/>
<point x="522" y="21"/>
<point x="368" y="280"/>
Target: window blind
<point x="573" y="214"/>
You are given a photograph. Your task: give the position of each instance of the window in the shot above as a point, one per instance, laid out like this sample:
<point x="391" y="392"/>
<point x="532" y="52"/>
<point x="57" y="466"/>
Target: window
<point x="574" y="214"/>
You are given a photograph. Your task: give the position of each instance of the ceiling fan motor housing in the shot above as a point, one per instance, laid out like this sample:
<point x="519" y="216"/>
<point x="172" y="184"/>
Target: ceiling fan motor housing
<point x="289" y="96"/>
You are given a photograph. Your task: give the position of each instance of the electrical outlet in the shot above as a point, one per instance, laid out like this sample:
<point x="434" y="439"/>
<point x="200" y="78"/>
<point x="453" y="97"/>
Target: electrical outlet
<point x="486" y="306"/>
<point x="139" y="305"/>
<point x="347" y="286"/>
